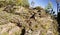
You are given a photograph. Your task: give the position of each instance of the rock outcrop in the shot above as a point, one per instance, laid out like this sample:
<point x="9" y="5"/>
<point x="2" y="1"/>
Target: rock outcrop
<point x="18" y="20"/>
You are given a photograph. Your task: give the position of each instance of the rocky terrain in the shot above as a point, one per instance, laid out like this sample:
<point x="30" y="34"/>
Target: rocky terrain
<point x="19" y="20"/>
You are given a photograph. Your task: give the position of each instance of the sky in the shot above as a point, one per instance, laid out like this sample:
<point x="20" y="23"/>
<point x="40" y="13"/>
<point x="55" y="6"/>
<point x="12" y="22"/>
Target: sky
<point x="43" y="4"/>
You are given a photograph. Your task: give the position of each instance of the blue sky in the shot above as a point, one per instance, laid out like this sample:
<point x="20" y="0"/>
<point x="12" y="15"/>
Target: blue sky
<point x="43" y="3"/>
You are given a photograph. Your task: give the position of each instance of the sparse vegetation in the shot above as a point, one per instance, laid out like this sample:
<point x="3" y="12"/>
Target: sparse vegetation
<point x="24" y="3"/>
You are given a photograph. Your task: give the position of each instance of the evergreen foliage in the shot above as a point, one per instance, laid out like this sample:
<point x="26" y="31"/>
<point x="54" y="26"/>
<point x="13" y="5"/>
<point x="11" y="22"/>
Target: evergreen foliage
<point x="49" y="7"/>
<point x="32" y="3"/>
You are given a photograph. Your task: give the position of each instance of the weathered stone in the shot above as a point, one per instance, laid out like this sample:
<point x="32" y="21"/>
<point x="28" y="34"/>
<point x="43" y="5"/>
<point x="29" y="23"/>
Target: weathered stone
<point x="24" y="21"/>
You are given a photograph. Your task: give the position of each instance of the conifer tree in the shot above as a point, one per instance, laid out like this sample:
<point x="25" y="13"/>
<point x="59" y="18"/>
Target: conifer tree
<point x="32" y="3"/>
<point x="49" y="7"/>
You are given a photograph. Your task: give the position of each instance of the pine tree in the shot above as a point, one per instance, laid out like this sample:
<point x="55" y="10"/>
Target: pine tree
<point x="32" y="3"/>
<point x="49" y="7"/>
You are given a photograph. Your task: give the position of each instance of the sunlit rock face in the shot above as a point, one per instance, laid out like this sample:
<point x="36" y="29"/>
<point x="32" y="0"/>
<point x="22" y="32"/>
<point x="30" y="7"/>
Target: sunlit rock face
<point x="18" y="20"/>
